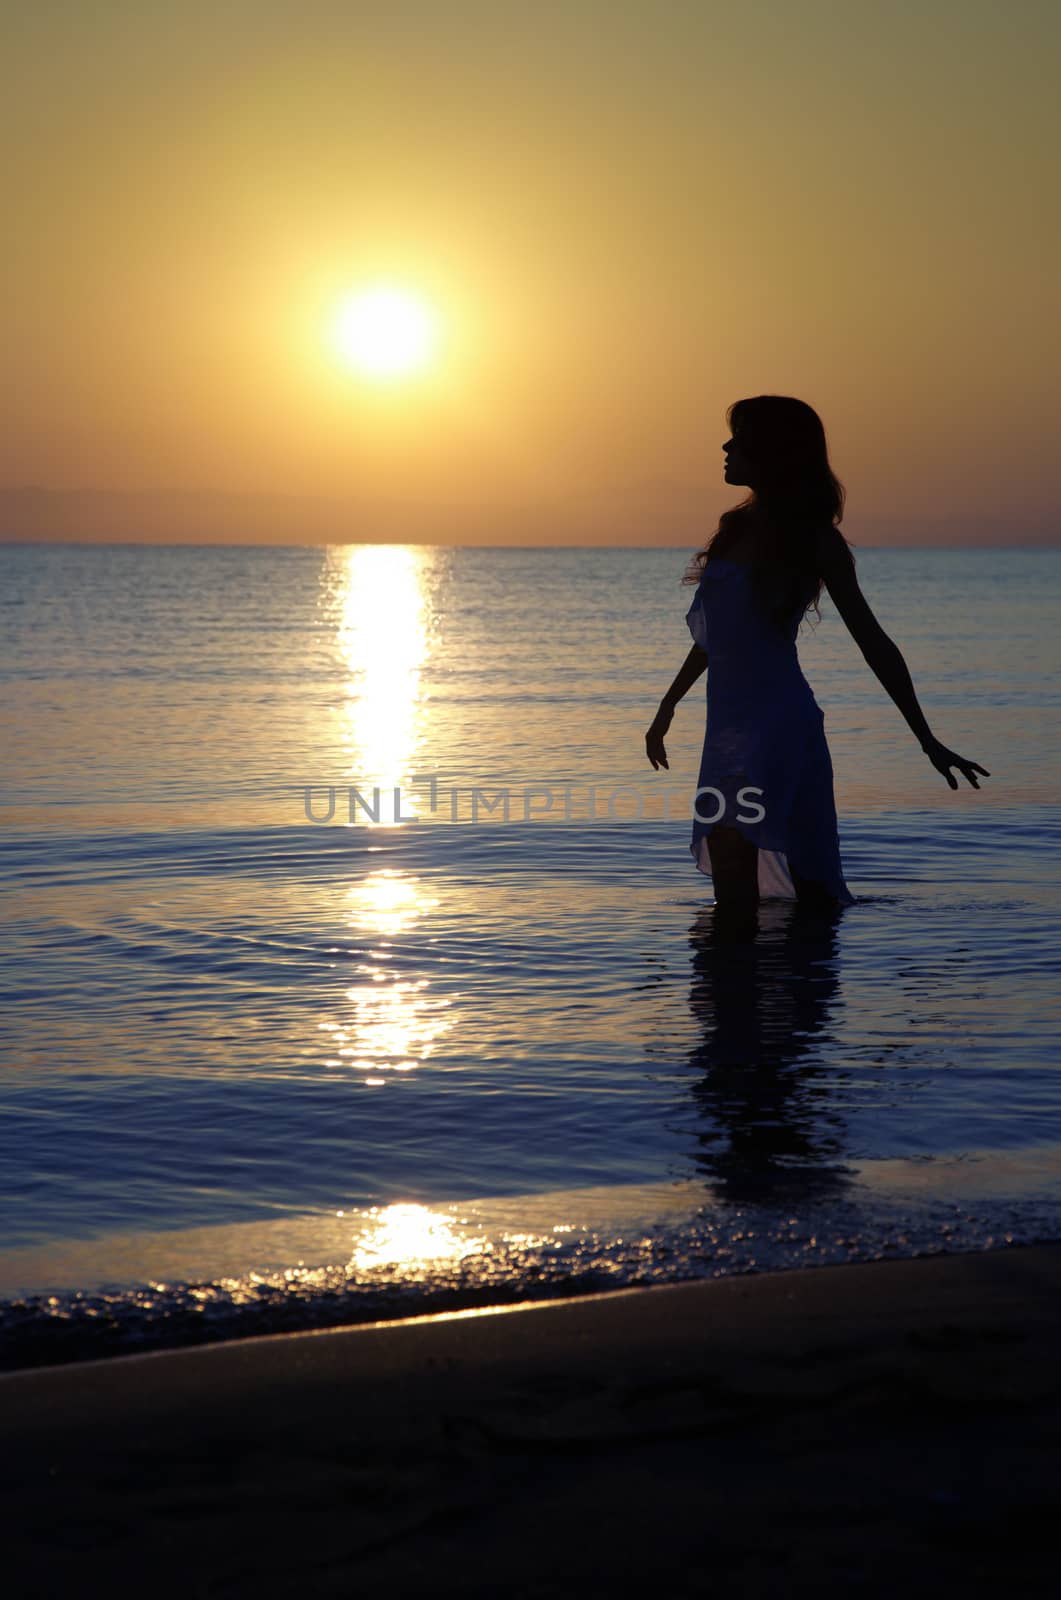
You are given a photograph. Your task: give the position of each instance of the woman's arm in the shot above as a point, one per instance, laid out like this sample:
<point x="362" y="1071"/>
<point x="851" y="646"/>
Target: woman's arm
<point x="883" y="655"/>
<point x="694" y="664"/>
<point x="691" y="668"/>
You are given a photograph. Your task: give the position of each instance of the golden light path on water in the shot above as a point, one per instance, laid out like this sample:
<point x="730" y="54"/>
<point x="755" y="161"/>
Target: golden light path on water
<point x="379" y="601"/>
<point x="404" y="1241"/>
<point x="376" y="597"/>
<point x="383" y="643"/>
<point x="411" y="1236"/>
<point x="388" y="1024"/>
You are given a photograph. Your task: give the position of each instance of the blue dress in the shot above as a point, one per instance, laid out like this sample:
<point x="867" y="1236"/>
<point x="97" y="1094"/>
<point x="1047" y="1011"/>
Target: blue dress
<point x="766" y="765"/>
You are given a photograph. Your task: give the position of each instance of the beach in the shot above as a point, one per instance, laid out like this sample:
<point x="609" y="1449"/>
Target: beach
<point x="882" y="1425"/>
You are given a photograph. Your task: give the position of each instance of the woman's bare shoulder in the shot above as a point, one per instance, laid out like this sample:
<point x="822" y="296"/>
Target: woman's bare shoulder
<point x="832" y="551"/>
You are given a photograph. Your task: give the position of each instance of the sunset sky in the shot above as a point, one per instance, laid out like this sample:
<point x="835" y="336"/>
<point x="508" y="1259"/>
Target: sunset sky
<point x="621" y="216"/>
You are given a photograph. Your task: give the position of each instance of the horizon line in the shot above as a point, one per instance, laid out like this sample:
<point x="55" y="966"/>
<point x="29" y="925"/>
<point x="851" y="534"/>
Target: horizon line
<point x="454" y="544"/>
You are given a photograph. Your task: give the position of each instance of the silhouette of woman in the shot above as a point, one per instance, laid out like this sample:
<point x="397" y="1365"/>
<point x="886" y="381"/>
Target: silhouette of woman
<point x="765" y="815"/>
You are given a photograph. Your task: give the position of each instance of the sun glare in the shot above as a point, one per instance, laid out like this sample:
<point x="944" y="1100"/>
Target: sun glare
<point x="385" y="332"/>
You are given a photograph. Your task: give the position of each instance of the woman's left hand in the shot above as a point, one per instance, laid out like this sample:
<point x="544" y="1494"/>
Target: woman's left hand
<point x="654" y="746"/>
<point x="943" y="759"/>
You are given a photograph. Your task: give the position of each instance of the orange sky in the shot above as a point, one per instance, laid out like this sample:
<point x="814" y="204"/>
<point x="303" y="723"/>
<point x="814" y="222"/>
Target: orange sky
<point x="625" y="215"/>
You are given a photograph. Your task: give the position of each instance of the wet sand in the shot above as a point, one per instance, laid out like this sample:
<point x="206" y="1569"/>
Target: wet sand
<point x="892" y="1427"/>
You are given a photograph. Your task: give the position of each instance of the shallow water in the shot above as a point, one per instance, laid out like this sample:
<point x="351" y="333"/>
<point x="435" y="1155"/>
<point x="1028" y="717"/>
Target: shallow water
<point x="260" y="1072"/>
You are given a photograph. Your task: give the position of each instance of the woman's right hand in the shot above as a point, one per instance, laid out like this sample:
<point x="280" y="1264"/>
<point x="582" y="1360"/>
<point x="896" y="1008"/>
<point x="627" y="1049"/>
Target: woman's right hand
<point x="654" y="748"/>
<point x="943" y="759"/>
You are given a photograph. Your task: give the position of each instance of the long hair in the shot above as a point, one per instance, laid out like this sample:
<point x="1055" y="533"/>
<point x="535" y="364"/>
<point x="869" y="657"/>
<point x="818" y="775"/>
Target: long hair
<point x="796" y="497"/>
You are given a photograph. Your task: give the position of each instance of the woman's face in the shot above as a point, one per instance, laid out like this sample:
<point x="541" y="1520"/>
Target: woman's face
<point x="737" y="468"/>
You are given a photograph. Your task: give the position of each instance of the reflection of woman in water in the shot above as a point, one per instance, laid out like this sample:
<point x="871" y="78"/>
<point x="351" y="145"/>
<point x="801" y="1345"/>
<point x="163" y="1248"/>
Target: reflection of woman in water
<point x="773" y="1124"/>
<point x="765" y="817"/>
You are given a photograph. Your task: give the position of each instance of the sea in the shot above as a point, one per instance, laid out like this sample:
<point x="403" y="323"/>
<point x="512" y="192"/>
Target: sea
<point x="355" y="965"/>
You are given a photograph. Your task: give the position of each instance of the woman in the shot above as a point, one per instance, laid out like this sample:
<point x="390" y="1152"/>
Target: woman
<point x="765" y="816"/>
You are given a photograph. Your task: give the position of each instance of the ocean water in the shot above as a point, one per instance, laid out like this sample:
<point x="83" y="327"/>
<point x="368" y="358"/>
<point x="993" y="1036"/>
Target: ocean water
<point x="282" y="1048"/>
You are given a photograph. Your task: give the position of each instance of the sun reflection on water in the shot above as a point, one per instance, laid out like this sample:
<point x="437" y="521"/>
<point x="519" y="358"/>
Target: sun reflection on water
<point x="388" y="901"/>
<point x="380" y="600"/>
<point x="388" y="1027"/>
<point x="409" y="1236"/>
<point x="388" y="1023"/>
<point x="376" y="599"/>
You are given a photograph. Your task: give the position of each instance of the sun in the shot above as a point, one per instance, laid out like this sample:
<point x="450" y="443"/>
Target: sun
<point x="385" y="332"/>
